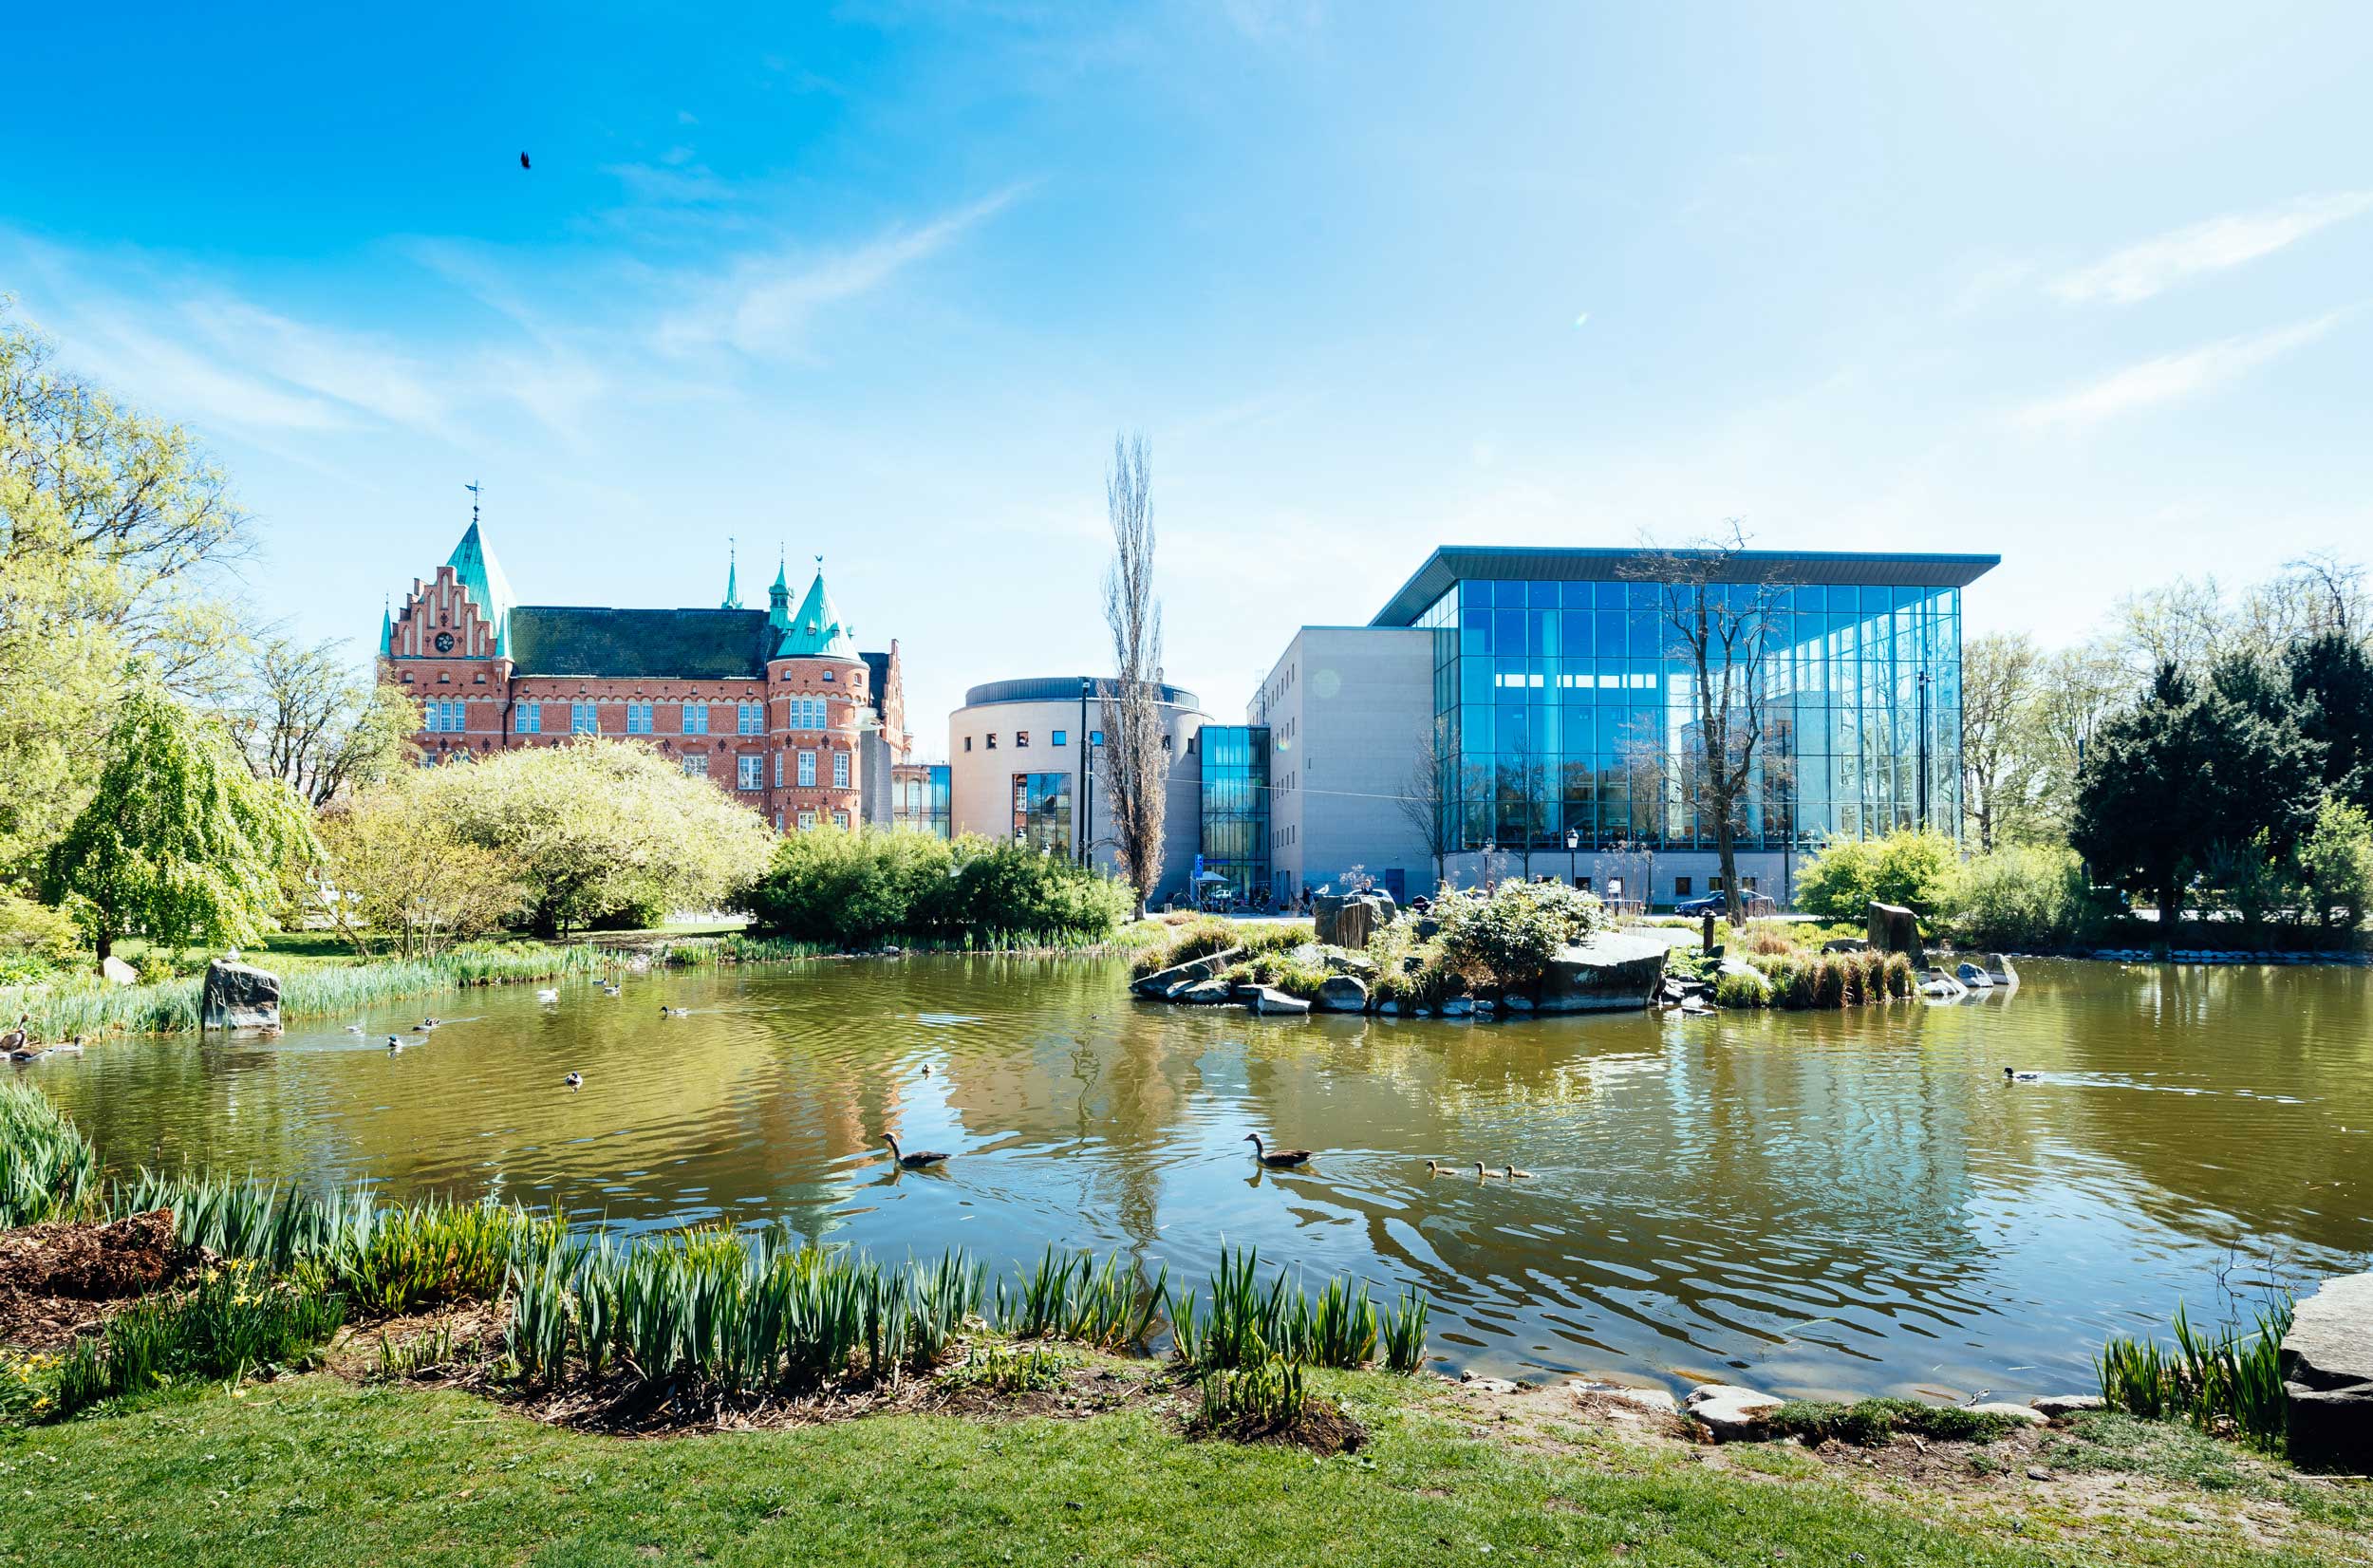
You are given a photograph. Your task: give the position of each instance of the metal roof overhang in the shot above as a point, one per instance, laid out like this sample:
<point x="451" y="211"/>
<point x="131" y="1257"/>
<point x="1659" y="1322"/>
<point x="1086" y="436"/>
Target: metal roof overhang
<point x="1851" y="568"/>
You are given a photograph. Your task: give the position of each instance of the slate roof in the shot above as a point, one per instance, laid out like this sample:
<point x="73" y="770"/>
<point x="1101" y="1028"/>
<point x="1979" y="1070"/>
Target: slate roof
<point x="693" y="645"/>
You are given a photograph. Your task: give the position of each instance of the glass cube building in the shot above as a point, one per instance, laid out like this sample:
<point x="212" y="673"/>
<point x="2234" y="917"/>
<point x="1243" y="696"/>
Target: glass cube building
<point x="1234" y="804"/>
<point x="1565" y="697"/>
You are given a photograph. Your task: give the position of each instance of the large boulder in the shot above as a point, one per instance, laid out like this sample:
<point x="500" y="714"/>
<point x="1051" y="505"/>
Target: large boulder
<point x="116" y="972"/>
<point x="1163" y="982"/>
<point x="1892" y="928"/>
<point x="1348" y="919"/>
<point x="1729" y="1412"/>
<point x="1612" y="972"/>
<point x="1268" y="998"/>
<point x="239" y="996"/>
<point x="1209" y="993"/>
<point x="2327" y="1371"/>
<point x="1342" y="994"/>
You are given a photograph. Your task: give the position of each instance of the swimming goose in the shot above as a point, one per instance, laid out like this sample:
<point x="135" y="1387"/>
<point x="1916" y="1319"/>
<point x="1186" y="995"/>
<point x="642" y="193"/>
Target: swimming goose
<point x="1275" y="1159"/>
<point x="549" y="995"/>
<point x="1511" y="1173"/>
<point x="1483" y="1175"/>
<point x="1435" y="1167"/>
<point x="915" y="1161"/>
<point x="2014" y="1075"/>
<point x="574" y="1080"/>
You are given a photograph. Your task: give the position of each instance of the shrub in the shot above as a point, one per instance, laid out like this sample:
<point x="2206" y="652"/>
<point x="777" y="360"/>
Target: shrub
<point x="1509" y="938"/>
<point x="851" y="887"/>
<point x="37" y="941"/>
<point x="1918" y="871"/>
<point x="2023" y="898"/>
<point x="232" y="1324"/>
<point x="1733" y="989"/>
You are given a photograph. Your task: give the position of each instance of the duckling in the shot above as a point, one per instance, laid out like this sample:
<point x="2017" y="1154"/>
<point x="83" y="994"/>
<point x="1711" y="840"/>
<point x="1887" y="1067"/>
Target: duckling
<point x="915" y="1161"/>
<point x="667" y="1012"/>
<point x="1483" y="1175"/>
<point x="1435" y="1167"/>
<point x="574" y="1080"/>
<point x="549" y="995"/>
<point x="1512" y="1174"/>
<point x="1278" y="1159"/>
<point x="2013" y="1075"/>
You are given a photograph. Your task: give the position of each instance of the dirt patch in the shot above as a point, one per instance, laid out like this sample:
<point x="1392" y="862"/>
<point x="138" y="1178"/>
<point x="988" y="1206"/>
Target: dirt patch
<point x="60" y="1278"/>
<point x="1323" y="1428"/>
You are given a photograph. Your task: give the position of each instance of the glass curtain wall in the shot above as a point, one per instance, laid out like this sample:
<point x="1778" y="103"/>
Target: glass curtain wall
<point x="1236" y="804"/>
<point x="1562" y="707"/>
<point x="1042" y="812"/>
<point x="918" y="798"/>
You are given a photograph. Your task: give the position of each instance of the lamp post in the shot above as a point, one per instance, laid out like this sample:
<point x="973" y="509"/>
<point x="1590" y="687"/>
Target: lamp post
<point x="1573" y="842"/>
<point x="1087" y="684"/>
<point x="1490" y="845"/>
<point x="1923" y="750"/>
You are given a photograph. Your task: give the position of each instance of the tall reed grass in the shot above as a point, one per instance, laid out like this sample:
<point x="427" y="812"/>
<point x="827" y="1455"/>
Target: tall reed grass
<point x="2206" y="1378"/>
<point x="1244" y="1323"/>
<point x="1068" y="1297"/>
<point x="48" y="1169"/>
<point x="236" y="1322"/>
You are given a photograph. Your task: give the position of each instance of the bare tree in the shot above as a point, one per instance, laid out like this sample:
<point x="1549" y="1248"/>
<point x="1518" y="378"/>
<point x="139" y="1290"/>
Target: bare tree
<point x="1998" y="682"/>
<point x="1721" y="612"/>
<point x="305" y="718"/>
<point x="1425" y="798"/>
<point x="1136" y="764"/>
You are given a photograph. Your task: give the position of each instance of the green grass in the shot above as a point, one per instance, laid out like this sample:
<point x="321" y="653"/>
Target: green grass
<point x="48" y="1169"/>
<point x="311" y="1471"/>
<point x="2206" y="1377"/>
<point x="1869" y="1423"/>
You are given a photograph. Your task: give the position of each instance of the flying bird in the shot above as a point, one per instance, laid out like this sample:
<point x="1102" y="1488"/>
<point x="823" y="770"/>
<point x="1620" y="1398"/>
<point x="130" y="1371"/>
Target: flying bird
<point x="523" y="161"/>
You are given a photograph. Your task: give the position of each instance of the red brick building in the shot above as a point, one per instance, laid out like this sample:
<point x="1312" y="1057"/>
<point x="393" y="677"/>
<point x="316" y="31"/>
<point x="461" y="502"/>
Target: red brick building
<point x="778" y="707"/>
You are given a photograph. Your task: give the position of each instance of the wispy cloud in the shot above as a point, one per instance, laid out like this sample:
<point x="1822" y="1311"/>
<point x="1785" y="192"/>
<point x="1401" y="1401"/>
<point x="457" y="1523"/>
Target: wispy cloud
<point x="2172" y="377"/>
<point x="2157" y="264"/>
<point x="765" y="305"/>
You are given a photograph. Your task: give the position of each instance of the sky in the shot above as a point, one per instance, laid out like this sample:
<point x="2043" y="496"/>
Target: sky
<point x="2088" y="286"/>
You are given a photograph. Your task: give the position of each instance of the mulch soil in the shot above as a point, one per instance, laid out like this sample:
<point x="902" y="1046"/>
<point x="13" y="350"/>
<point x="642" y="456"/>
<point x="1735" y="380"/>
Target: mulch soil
<point x="61" y="1279"/>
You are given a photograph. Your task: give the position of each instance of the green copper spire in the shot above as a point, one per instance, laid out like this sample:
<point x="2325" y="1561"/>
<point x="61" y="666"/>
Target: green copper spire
<point x="779" y="599"/>
<point x="733" y="588"/>
<point x="386" y="631"/>
<point x="816" y="631"/>
<point x="481" y="576"/>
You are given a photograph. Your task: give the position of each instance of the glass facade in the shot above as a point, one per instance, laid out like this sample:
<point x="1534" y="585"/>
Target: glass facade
<point x="1042" y="812"/>
<point x="1567" y="705"/>
<point x="1235" y="780"/>
<point x="918" y="798"/>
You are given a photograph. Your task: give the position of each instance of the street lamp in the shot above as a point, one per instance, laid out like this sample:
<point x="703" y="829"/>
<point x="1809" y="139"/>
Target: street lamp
<point x="1923" y="751"/>
<point x="1573" y="841"/>
<point x="1087" y="684"/>
<point x="1489" y="846"/>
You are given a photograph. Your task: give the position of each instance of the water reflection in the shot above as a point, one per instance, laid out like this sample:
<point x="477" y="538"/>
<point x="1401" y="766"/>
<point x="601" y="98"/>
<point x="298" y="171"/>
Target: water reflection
<point x="1845" y="1201"/>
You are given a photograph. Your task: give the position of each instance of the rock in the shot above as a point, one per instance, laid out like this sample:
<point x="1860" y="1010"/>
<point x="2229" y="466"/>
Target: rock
<point x="1998" y="970"/>
<point x="1728" y="1412"/>
<point x="1484" y="1007"/>
<point x="2054" y="1406"/>
<point x="1342" y="994"/>
<point x="1659" y="1401"/>
<point x="239" y="996"/>
<point x="1846" y="945"/>
<point x="1892" y="928"/>
<point x="1163" y="982"/>
<point x="1974" y="977"/>
<point x="1427" y="928"/>
<point x="1348" y="919"/>
<point x="1611" y="971"/>
<point x="1938" y="986"/>
<point x="1389" y="1009"/>
<point x="2036" y="1472"/>
<point x="2026" y="1415"/>
<point x="116" y="972"/>
<point x="1209" y="993"/>
<point x="1487" y="1385"/>
<point x="1516" y="1004"/>
<point x="1458" y="1007"/>
<point x="2327" y="1371"/>
<point x="1266" y="998"/>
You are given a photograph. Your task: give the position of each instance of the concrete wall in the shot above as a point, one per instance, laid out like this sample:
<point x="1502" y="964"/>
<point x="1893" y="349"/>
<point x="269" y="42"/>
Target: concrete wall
<point x="1771" y="872"/>
<point x="981" y="780"/>
<point x="1347" y="708"/>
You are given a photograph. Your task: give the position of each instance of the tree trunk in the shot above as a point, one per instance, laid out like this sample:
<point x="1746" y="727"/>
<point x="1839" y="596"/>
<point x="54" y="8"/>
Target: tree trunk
<point x="2170" y="911"/>
<point x="1726" y="849"/>
<point x="104" y="945"/>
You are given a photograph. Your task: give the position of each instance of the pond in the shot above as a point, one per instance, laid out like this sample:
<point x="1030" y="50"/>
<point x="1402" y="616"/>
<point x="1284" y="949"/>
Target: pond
<point x="1846" y="1202"/>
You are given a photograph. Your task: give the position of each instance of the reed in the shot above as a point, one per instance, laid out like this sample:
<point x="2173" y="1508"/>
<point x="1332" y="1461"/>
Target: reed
<point x="48" y="1169"/>
<point x="1405" y="1334"/>
<point x="2209" y="1379"/>
<point x="1068" y="1297"/>
<point x="1009" y="1368"/>
<point x="1246" y="1322"/>
<point x="1266" y="1394"/>
<point x="233" y="1323"/>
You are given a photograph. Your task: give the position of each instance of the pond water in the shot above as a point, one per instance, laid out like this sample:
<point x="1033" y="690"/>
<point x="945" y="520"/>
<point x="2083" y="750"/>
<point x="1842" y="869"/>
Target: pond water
<point x="1850" y="1203"/>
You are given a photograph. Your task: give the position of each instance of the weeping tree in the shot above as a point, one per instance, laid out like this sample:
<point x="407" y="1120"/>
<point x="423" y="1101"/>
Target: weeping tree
<point x="181" y="843"/>
<point x="1136" y="767"/>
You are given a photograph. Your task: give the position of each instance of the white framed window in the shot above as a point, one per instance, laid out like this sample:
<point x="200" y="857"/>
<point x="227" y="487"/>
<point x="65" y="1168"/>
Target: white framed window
<point x="806" y="820"/>
<point x="637" y="718"/>
<point x="840" y="820"/>
<point x="840" y="770"/>
<point x="778" y="774"/>
<point x="696" y="719"/>
<point x="584" y="718"/>
<point x="749" y="772"/>
<point x="807" y="770"/>
<point x="697" y="764"/>
<point x="443" y="716"/>
<point x="531" y="719"/>
<point x="750" y="719"/>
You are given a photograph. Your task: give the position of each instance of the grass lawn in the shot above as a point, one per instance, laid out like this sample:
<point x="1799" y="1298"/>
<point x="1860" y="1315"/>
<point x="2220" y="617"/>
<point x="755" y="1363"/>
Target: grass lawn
<point x="317" y="1470"/>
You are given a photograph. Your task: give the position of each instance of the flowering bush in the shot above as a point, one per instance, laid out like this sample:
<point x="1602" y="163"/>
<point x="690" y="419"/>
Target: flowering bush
<point x="1506" y="939"/>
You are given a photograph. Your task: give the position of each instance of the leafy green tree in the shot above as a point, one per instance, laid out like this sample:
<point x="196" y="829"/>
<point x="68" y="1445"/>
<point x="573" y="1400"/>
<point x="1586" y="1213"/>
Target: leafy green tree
<point x="2332" y="677"/>
<point x="852" y="887"/>
<point x="403" y="880"/>
<point x="180" y="842"/>
<point x="2335" y="866"/>
<point x="1915" y="869"/>
<point x="307" y="717"/>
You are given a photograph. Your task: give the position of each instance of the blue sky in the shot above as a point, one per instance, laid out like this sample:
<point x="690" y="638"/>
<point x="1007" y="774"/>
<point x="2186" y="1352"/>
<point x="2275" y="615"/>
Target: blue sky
<point x="2088" y="286"/>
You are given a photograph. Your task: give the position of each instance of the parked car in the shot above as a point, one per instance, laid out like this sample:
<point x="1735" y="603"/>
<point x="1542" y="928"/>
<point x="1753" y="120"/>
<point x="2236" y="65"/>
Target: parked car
<point x="1714" y="903"/>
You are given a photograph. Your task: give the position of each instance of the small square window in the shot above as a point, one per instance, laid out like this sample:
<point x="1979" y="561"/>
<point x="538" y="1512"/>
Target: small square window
<point x="1096" y="737"/>
<point x="967" y="738"/>
<point x="991" y="740"/>
<point x="1680" y="886"/>
<point x="1062" y="738"/>
<point x="1022" y="739"/>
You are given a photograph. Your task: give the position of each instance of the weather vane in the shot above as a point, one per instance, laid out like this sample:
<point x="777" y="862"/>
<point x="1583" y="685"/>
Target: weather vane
<point x="471" y="488"/>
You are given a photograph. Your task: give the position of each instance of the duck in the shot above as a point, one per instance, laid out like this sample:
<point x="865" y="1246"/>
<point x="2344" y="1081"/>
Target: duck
<point x="1435" y="1167"/>
<point x="1278" y="1159"/>
<point x="2015" y="1075"/>
<point x="27" y="1051"/>
<point x="1483" y="1175"/>
<point x="1512" y="1174"/>
<point x="926" y="1070"/>
<point x="356" y="1029"/>
<point x="548" y="995"/>
<point x="574" y="1080"/>
<point x="667" y="1012"/>
<point x="916" y="1160"/>
<point x="18" y="1037"/>
<point x="394" y="1045"/>
<point x="72" y="1048"/>
<point x="426" y="1025"/>
<point x="610" y="988"/>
